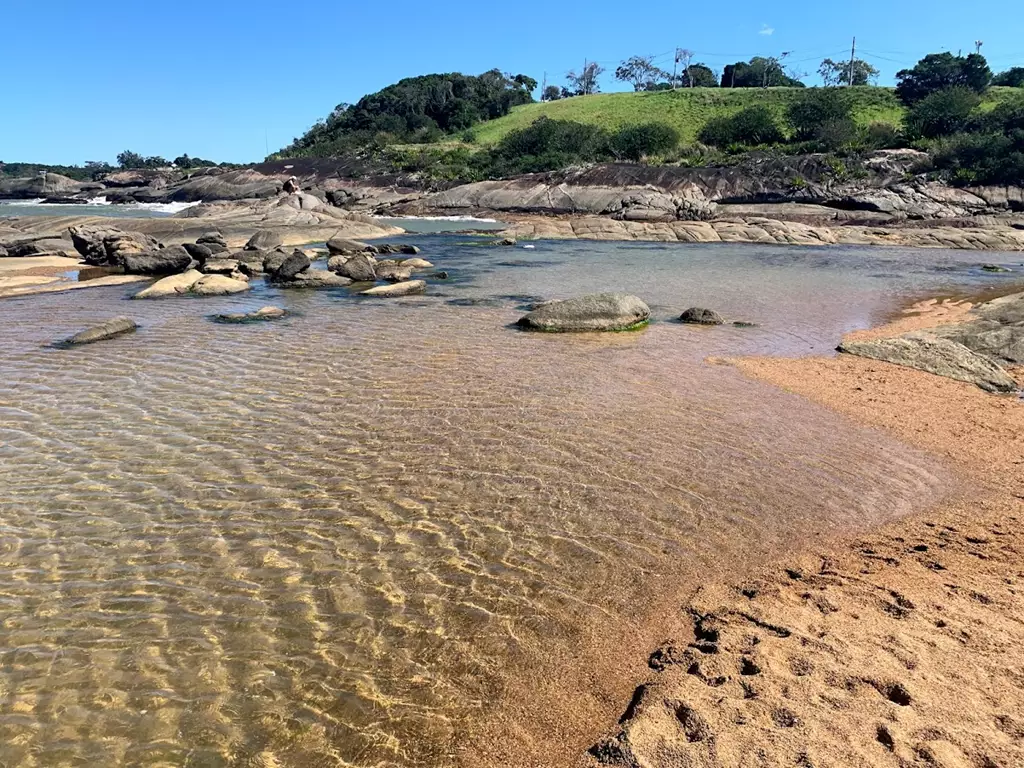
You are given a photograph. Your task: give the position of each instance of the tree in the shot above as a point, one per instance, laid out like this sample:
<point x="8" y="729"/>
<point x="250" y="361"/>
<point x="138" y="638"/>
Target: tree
<point x="759" y="72"/>
<point x="698" y="76"/>
<point x="640" y="72"/>
<point x="551" y="93"/>
<point x="635" y="142"/>
<point x="1014" y="78"/>
<point x="129" y="160"/>
<point x="586" y="82"/>
<point x="752" y="126"/>
<point x="838" y="72"/>
<point x="938" y="71"/>
<point x="184" y="161"/>
<point x="942" y="113"/>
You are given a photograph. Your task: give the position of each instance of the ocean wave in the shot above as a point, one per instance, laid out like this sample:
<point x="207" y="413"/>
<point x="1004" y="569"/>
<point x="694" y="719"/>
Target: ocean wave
<point x="167" y="208"/>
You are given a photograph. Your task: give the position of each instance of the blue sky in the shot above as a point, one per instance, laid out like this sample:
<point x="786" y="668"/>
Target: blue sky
<point x="225" y="79"/>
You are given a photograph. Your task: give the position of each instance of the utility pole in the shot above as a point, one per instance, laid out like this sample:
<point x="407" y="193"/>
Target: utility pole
<point x="853" y="53"/>
<point x="675" y="68"/>
<point x="585" y="82"/>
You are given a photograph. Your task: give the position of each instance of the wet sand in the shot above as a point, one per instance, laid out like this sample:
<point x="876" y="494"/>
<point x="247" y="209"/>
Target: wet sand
<point x="899" y="647"/>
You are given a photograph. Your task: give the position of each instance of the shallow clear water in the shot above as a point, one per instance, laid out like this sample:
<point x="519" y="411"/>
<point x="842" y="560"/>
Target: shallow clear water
<point x="319" y="541"/>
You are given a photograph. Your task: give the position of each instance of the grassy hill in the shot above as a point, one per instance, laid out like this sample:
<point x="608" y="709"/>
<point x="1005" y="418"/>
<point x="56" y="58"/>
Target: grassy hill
<point x="687" y="110"/>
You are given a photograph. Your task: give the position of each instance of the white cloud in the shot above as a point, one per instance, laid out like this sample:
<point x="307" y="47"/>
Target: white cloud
<point x="766" y="30"/>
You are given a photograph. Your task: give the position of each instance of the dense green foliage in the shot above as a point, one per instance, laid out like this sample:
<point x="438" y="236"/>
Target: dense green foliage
<point x="1011" y="78"/>
<point x="991" y="151"/>
<point x="635" y="142"/>
<point x="942" y="113"/>
<point x="759" y="72"/>
<point x="86" y="172"/>
<point x="939" y="71"/>
<point x="817" y="111"/>
<point x="752" y="126"/>
<point x="417" y="109"/>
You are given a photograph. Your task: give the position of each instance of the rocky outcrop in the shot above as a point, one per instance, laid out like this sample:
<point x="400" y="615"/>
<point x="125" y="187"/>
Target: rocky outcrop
<point x="596" y="312"/>
<point x="997" y="333"/>
<point x="48" y="185"/>
<point x="109" y="329"/>
<point x="47" y="246"/>
<point x="765" y="230"/>
<point x="927" y="352"/>
<point x="264" y="240"/>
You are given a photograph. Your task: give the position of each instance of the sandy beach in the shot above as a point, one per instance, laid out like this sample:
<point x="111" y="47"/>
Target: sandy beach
<point x="901" y="647"/>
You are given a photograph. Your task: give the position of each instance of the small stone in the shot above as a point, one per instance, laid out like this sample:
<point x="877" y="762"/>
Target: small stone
<point x="701" y="316"/>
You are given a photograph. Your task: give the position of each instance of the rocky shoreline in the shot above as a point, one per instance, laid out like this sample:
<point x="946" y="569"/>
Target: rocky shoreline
<point x="883" y="198"/>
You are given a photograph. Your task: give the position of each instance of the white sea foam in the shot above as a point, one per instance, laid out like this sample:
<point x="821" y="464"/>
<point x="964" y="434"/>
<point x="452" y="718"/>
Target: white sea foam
<point x="166" y="208"/>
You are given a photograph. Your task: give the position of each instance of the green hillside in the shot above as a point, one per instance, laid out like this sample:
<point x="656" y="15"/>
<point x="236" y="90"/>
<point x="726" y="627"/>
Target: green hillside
<point x="689" y="109"/>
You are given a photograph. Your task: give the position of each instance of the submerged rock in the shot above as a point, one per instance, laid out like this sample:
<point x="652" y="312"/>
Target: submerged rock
<point x="596" y="312"/>
<point x="109" y="329"/>
<point x="932" y="354"/>
<point x="406" y="288"/>
<point x="415" y="263"/>
<point x="701" y="316"/>
<point x="260" y="315"/>
<point x="394" y="273"/>
<point x="315" y="278"/>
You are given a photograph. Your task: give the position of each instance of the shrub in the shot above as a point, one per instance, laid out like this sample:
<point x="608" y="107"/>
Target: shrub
<point x="881" y="136"/>
<point x="1013" y="77"/>
<point x="547" y="145"/>
<point x="817" y="108"/>
<point x="637" y="141"/>
<point x="982" y="158"/>
<point x="752" y="126"/>
<point x="942" y="113"/>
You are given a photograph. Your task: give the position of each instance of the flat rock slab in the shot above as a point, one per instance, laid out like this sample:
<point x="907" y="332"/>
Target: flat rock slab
<point x="195" y="283"/>
<point x="933" y="354"/>
<point x="109" y="329"/>
<point x="407" y="288"/>
<point x="314" y="278"/>
<point x="596" y="312"/>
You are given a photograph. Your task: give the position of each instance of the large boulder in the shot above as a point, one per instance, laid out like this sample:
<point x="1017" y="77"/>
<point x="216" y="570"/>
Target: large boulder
<point x="292" y="266"/>
<point x="407" y="288"/>
<point x="212" y="238"/>
<point x="398" y="248"/>
<point x="273" y="260"/>
<point x="933" y="354"/>
<point x="346" y="247"/>
<point x="264" y="240"/>
<point x="164" y="261"/>
<point x="596" y="312"/>
<point x="359" y="268"/>
<point x="198" y="251"/>
<point x="108" y="246"/>
<point x="218" y="285"/>
<point x="175" y="285"/>
<point x="109" y="329"/>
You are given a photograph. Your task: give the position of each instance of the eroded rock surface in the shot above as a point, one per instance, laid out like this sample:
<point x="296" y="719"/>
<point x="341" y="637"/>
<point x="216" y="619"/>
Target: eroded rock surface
<point x="596" y="312"/>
